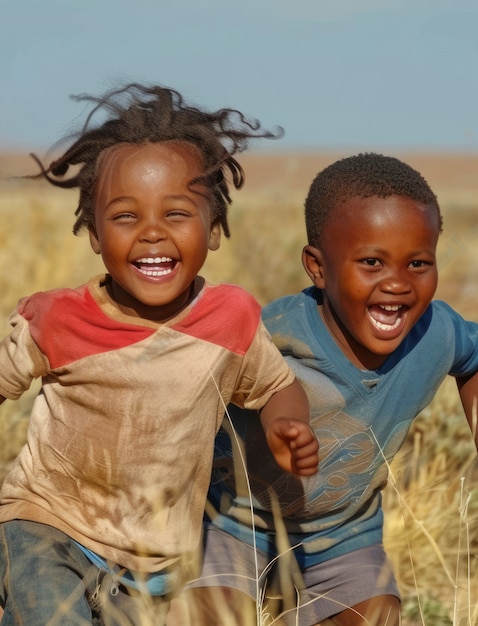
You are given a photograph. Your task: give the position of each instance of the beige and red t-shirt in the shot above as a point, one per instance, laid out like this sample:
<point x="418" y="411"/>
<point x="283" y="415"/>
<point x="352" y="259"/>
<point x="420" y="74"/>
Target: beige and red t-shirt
<point x="121" y="435"/>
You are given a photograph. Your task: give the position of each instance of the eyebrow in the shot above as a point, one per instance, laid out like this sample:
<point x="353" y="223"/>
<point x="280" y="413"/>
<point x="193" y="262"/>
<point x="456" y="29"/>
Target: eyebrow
<point x="127" y="198"/>
<point x="376" y="250"/>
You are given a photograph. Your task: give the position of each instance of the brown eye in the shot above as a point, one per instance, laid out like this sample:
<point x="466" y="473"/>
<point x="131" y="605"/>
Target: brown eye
<point x="419" y="264"/>
<point x="371" y="262"/>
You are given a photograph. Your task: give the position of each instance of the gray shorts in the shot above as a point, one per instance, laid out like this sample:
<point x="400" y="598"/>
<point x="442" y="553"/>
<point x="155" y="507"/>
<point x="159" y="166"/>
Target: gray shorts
<point x="323" y="590"/>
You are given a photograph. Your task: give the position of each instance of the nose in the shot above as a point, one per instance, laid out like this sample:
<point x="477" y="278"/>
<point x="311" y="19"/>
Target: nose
<point x="152" y="231"/>
<point x="396" y="281"/>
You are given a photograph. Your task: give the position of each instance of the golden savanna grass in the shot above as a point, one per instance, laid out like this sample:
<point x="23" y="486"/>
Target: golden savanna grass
<point x="431" y="502"/>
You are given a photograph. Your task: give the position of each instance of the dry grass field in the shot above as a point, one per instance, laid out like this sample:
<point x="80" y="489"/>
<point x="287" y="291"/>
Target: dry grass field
<point x="431" y="502"/>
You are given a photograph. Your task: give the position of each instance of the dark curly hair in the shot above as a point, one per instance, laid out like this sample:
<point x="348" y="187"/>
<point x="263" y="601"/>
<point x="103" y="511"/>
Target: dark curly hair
<point x="140" y="114"/>
<point x="362" y="175"/>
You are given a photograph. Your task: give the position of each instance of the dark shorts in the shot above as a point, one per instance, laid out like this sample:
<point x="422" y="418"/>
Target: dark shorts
<point x="323" y="590"/>
<point x="46" y="579"/>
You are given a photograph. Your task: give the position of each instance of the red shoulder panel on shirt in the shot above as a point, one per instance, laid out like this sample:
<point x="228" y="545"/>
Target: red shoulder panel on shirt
<point x="226" y="315"/>
<point x="68" y="325"/>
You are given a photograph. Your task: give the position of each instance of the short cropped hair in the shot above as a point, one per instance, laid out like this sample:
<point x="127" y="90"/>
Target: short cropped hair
<point x="362" y="175"/>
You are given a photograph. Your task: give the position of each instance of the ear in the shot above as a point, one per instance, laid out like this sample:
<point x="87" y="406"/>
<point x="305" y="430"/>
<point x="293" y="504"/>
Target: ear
<point x="94" y="241"/>
<point x="313" y="262"/>
<point x="215" y="236"/>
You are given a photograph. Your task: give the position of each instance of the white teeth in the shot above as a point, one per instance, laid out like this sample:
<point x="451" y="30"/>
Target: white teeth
<point x="390" y="307"/>
<point x="382" y="326"/>
<point x="155" y="272"/>
<point x="158" y="259"/>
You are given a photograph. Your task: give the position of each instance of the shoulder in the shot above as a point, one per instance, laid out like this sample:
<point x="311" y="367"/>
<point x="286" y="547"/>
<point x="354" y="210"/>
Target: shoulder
<point x="445" y="335"/>
<point x="223" y="314"/>
<point x="290" y="310"/>
<point x="69" y="324"/>
<point x="440" y="324"/>
<point x="227" y="301"/>
<point x="234" y="295"/>
<point x="441" y="313"/>
<point x="49" y="305"/>
<point x="50" y="320"/>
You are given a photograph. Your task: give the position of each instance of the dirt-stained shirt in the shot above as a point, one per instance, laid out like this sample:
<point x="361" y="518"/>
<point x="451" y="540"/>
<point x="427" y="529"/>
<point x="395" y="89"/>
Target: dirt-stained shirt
<point x="121" y="435"/>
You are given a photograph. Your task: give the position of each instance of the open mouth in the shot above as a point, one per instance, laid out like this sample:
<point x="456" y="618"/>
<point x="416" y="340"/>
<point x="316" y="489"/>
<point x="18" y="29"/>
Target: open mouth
<point x="386" y="317"/>
<point x="155" y="266"/>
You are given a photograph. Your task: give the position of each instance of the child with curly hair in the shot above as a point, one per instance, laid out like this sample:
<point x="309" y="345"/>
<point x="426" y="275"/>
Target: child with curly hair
<point x="103" y="506"/>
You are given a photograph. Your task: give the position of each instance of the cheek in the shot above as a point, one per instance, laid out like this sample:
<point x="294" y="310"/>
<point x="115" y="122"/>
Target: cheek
<point x="111" y="246"/>
<point x="429" y="291"/>
<point x="427" y="283"/>
<point x="356" y="286"/>
<point x="195" y="238"/>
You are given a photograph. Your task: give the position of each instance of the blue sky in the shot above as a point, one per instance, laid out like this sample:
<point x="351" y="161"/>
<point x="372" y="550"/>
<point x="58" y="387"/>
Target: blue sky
<point x="334" y="73"/>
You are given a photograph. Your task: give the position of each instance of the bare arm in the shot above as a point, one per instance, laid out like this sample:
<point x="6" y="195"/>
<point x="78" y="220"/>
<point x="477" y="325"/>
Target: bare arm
<point x="468" y="388"/>
<point x="285" y="419"/>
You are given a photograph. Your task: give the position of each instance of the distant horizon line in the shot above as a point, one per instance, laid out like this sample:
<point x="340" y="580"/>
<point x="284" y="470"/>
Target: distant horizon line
<point x="20" y="150"/>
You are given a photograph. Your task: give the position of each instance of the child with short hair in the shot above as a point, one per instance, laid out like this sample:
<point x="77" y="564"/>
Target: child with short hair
<point x="370" y="347"/>
<point x="104" y="503"/>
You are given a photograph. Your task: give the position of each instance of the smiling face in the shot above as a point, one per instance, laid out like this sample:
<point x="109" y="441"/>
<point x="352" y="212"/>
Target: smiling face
<point x="152" y="228"/>
<point x="377" y="269"/>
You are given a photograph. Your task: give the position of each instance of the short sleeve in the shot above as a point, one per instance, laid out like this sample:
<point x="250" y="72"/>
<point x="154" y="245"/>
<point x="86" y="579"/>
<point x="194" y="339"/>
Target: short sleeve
<point x="264" y="372"/>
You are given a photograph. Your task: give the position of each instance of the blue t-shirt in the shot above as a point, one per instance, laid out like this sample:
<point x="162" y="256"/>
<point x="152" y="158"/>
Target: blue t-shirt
<point x="360" y="417"/>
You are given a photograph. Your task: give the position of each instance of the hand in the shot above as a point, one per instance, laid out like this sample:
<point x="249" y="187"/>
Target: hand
<point x="294" y="446"/>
